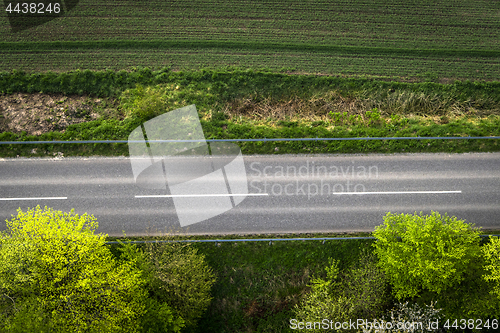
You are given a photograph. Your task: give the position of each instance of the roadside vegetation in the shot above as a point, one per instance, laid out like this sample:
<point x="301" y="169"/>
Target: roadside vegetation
<point x="58" y="275"/>
<point x="243" y="104"/>
<point x="288" y="69"/>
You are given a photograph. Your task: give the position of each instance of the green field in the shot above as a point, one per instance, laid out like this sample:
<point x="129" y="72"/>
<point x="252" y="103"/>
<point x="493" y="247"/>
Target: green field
<point x="409" y="40"/>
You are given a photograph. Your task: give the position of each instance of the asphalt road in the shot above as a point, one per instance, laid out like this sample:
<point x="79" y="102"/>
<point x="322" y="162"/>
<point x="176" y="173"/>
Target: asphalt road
<point x="288" y="193"/>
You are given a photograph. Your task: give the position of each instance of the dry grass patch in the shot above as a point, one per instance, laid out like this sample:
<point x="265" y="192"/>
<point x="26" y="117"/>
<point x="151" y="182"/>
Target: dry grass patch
<point x="318" y="108"/>
<point x="295" y="108"/>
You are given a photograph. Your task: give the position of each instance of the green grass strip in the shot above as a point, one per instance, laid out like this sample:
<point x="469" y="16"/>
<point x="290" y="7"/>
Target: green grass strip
<point x="237" y="45"/>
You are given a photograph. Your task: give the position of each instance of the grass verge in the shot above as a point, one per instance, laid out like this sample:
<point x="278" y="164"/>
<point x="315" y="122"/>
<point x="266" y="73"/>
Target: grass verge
<point x="237" y="104"/>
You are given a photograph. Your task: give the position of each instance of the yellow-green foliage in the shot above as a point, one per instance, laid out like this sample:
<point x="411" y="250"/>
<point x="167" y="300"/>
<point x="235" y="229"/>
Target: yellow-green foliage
<point x="149" y="101"/>
<point x="359" y="292"/>
<point x="145" y="102"/>
<point x="323" y="301"/>
<point x="491" y="253"/>
<point x="53" y="261"/>
<point x="431" y="252"/>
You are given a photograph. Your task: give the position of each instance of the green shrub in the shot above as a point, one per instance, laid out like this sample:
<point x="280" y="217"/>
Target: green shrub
<point x="159" y="316"/>
<point x="180" y="278"/>
<point x="22" y="315"/>
<point x="322" y="302"/>
<point x="491" y="252"/>
<point x="471" y="297"/>
<point x="366" y="287"/>
<point x="431" y="252"/>
<point x="360" y="292"/>
<point x="53" y="268"/>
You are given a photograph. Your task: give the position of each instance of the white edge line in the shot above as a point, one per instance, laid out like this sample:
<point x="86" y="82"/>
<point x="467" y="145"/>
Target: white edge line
<point x="202" y="195"/>
<point x="397" y="192"/>
<point x="44" y="198"/>
<point x="266" y="194"/>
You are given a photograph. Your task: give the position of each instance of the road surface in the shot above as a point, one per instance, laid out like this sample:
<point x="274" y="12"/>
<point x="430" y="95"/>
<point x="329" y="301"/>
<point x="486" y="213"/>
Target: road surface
<point x="287" y="193"/>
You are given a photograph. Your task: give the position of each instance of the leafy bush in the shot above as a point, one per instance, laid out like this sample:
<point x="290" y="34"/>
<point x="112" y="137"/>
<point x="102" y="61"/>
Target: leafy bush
<point x="55" y="271"/>
<point x="181" y="278"/>
<point x="178" y="281"/>
<point x="22" y="315"/>
<point x="321" y="302"/>
<point x="366" y="287"/>
<point x="158" y="316"/>
<point x="430" y="252"/>
<point x="361" y="292"/>
<point x="491" y="252"/>
<point x="472" y="298"/>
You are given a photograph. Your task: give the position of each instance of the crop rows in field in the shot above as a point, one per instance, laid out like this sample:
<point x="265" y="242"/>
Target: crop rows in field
<point x="461" y="24"/>
<point x="457" y="38"/>
<point x="348" y="64"/>
<point x="350" y="33"/>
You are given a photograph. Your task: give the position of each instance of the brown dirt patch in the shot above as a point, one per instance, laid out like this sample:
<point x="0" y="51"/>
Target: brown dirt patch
<point x="40" y="113"/>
